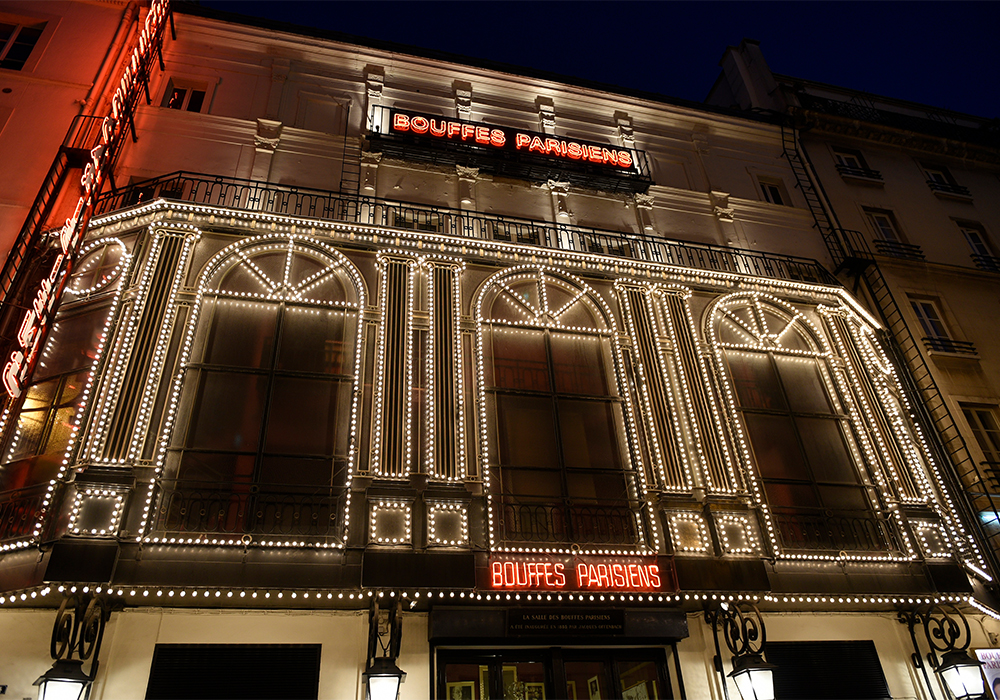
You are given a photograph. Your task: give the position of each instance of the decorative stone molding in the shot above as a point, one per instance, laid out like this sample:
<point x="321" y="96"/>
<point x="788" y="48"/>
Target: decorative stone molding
<point x="369" y="170"/>
<point x="644" y="200"/>
<point x="720" y="206"/>
<point x="267" y="136"/>
<point x="546" y="114"/>
<point x="560" y="201"/>
<point x="626" y="133"/>
<point x="700" y="141"/>
<point x="644" y="207"/>
<point x="463" y="99"/>
<point x="374" y="81"/>
<point x="467" y="184"/>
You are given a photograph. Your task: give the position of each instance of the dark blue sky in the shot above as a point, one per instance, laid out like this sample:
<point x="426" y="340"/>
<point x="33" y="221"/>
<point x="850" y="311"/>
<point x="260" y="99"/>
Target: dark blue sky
<point x="945" y="54"/>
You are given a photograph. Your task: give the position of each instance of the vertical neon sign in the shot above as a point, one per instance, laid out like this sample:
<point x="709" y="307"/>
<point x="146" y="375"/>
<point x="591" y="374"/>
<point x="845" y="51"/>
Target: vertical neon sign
<point x="31" y="333"/>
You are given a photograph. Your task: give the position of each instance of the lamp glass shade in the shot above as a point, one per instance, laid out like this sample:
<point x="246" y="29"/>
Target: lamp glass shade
<point x="382" y="679"/>
<point x="962" y="674"/>
<point x="753" y="677"/>
<point x="64" y="681"/>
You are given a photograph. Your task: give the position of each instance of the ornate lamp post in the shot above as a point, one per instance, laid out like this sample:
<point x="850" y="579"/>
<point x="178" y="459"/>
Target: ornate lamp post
<point x="78" y="629"/>
<point x="945" y="628"/>
<point x="382" y="676"/>
<point x="745" y="636"/>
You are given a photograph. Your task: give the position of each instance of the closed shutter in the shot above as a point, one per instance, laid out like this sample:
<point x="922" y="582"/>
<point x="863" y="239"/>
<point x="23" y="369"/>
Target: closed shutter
<point x="234" y="671"/>
<point x="827" y="671"/>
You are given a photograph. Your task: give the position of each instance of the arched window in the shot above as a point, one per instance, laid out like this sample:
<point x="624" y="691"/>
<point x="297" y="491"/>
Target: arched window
<point x="557" y="462"/>
<point x="268" y="394"/>
<point x="798" y="435"/>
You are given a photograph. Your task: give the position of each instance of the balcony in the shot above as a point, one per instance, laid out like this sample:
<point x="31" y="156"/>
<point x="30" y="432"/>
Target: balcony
<point x="986" y="262"/>
<point x="272" y="198"/>
<point x="863" y="174"/>
<point x="898" y="249"/>
<point x="838" y="531"/>
<point x="526" y="521"/>
<point x="191" y="508"/>
<point x="950" y="345"/>
<point x="19" y="510"/>
<point x="949" y="189"/>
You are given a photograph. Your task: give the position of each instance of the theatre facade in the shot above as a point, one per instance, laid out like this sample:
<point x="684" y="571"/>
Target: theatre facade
<point x="529" y="389"/>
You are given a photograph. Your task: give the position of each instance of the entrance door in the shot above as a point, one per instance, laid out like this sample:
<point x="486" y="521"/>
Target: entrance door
<point x="554" y="674"/>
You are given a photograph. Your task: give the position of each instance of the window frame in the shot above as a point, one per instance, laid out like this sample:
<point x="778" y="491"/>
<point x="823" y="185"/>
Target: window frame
<point x="773" y="190"/>
<point x="189" y="85"/>
<point x="50" y="23"/>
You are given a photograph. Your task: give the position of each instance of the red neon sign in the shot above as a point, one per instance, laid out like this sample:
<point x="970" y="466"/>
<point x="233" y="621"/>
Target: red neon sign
<point x="508" y="139"/>
<point x="36" y="319"/>
<point x="633" y="575"/>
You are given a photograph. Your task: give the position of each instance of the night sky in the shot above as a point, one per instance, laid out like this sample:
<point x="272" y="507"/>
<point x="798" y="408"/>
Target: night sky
<point x="944" y="54"/>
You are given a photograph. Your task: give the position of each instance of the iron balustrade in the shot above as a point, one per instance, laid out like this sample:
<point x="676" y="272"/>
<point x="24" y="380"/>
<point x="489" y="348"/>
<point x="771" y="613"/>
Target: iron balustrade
<point x="838" y="531"/>
<point x="861" y="173"/>
<point x="949" y="188"/>
<point x="988" y="263"/>
<point x="249" y="195"/>
<point x="942" y="344"/>
<point x="239" y="508"/>
<point x="545" y="522"/>
<point x="19" y="511"/>
<point x="898" y="249"/>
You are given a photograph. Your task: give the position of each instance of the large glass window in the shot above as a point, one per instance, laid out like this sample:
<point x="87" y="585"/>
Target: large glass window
<point x="798" y="432"/>
<point x="270" y="390"/>
<point x="558" y="458"/>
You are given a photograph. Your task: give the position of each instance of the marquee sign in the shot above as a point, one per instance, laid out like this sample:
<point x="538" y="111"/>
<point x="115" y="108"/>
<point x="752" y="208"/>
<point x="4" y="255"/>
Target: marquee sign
<point x="506" y="150"/>
<point x="554" y="573"/>
<point x="37" y="319"/>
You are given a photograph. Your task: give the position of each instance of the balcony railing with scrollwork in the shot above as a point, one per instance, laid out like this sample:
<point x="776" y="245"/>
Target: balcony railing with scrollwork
<point x="297" y="201"/>
<point x="988" y="263"/>
<point x="835" y="530"/>
<point x="187" y="508"/>
<point x="949" y="188"/>
<point x="544" y="522"/>
<point x="19" y="510"/>
<point x="942" y="344"/>
<point x="859" y="173"/>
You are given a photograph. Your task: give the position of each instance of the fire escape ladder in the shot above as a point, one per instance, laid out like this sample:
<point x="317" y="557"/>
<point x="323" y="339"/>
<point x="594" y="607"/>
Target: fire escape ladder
<point x="852" y="257"/>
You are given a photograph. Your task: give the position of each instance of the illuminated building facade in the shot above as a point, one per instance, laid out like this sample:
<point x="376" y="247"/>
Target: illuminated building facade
<point x="547" y="371"/>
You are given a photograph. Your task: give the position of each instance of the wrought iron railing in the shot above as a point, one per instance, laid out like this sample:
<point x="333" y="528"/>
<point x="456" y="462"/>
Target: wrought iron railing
<point x="941" y="344"/>
<point x="523" y="520"/>
<point x="898" y="249"/>
<point x="191" y="507"/>
<point x="988" y="263"/>
<point x="297" y="201"/>
<point x="863" y="173"/>
<point x="949" y="188"/>
<point x="840" y="531"/>
<point x="19" y="510"/>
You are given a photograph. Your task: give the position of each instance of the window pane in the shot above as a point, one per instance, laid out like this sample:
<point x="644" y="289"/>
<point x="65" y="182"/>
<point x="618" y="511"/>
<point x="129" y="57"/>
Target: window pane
<point x="302" y="472"/>
<point x="196" y="101"/>
<point x="532" y="483"/>
<point x="72" y="343"/>
<point x="316" y="341"/>
<point x="843" y="497"/>
<point x="27" y="435"/>
<point x="602" y="487"/>
<point x="519" y="360"/>
<point x="776" y="446"/>
<point x="826" y="451"/>
<point x="754" y="380"/>
<point x="304" y="415"/>
<point x="639" y="679"/>
<point x="587" y="429"/>
<point x="242" y="334"/>
<point x="214" y="468"/>
<point x="782" y="495"/>
<point x="228" y="411"/>
<point x="803" y="385"/>
<point x="527" y="432"/>
<point x="19" y="51"/>
<point x="175" y="99"/>
<point x="467" y="681"/>
<point x="578" y="365"/>
<point x="587" y="679"/>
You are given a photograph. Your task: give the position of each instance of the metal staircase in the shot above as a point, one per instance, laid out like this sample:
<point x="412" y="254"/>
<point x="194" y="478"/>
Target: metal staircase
<point x="854" y="260"/>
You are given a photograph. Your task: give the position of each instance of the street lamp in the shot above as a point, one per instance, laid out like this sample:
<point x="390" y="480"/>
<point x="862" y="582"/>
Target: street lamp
<point x="382" y="679"/>
<point x="64" y="681"/>
<point x="753" y="678"/>
<point x="947" y="633"/>
<point x="382" y="676"/>
<point x="962" y="674"/>
<point x="745" y="636"/>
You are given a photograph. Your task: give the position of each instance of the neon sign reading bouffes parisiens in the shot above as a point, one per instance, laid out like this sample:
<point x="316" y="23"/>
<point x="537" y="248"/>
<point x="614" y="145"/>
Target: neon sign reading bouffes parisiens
<point x="31" y="332"/>
<point x="502" y="138"/>
<point x="579" y="574"/>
